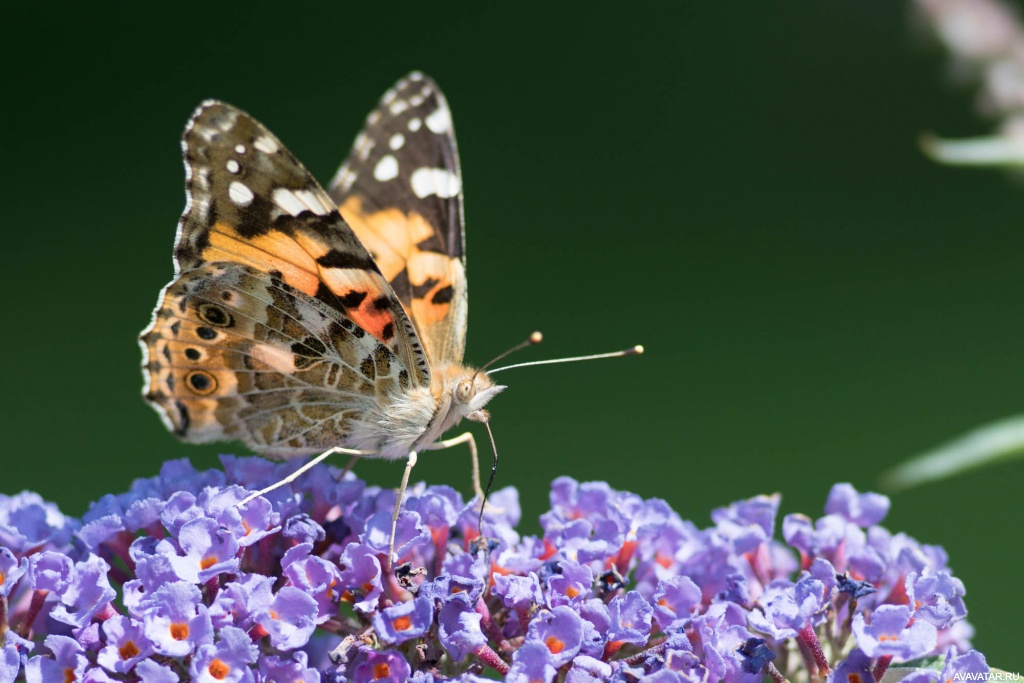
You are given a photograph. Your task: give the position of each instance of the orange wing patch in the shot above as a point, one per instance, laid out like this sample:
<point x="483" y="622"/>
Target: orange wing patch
<point x="274" y="251"/>
<point x="390" y="235"/>
<point x="432" y="279"/>
<point x="433" y="287"/>
<point x="365" y="304"/>
<point x="296" y="258"/>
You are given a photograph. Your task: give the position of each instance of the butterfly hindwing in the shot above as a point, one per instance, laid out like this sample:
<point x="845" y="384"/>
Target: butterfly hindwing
<point x="401" y="191"/>
<point x="250" y="201"/>
<point x="235" y="353"/>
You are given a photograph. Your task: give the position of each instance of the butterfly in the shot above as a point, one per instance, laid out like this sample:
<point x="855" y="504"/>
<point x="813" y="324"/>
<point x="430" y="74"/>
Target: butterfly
<point x="306" y="321"/>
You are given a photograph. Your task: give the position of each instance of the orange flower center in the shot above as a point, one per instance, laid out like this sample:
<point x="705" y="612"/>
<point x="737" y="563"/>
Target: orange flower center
<point x="207" y="562"/>
<point x="218" y="669"/>
<point x="572" y="591"/>
<point x="69" y="675"/>
<point x="554" y="644"/>
<point x="402" y="623"/>
<point x="853" y="678"/>
<point x="128" y="650"/>
<point x="381" y="671"/>
<point x="179" y="631"/>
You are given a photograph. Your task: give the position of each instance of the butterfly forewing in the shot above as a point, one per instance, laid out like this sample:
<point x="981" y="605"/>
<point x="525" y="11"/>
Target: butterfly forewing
<point x="279" y="328"/>
<point x="252" y="202"/>
<point x="401" y="191"/>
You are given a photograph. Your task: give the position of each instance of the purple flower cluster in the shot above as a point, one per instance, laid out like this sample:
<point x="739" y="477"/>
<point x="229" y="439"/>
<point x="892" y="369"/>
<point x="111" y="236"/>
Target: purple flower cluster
<point x="175" y="581"/>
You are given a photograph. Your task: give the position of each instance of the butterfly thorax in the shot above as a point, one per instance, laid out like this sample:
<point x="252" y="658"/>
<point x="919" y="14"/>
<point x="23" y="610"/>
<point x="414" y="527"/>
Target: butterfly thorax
<point x="413" y="420"/>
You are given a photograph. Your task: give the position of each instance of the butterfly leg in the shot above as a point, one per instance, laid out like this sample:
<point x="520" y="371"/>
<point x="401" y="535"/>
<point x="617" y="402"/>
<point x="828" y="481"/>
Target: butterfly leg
<point x="305" y="468"/>
<point x="465" y="438"/>
<point x="410" y="463"/>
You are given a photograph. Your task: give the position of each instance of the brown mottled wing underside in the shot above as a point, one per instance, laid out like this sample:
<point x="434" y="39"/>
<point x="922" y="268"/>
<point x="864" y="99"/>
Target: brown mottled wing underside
<point x="236" y="353"/>
<point x="279" y="327"/>
<point x="401" y="191"/>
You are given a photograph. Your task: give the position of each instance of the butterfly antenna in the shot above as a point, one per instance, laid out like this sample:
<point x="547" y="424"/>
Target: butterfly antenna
<point x="494" y="469"/>
<point x="534" y="338"/>
<point x="633" y="351"/>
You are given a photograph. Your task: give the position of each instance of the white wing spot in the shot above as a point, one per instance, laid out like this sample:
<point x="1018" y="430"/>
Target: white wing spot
<point x="240" y="149"/>
<point x="203" y="178"/>
<point x="239" y="193"/>
<point x="233" y="166"/>
<point x="386" y="169"/>
<point x="440" y="181"/>
<point x="363" y="145"/>
<point x="265" y="144"/>
<point x="396" y="141"/>
<point x="388" y="96"/>
<point x="416" y="76"/>
<point x="344" y="179"/>
<point x="398" y="106"/>
<point x="314" y="202"/>
<point x="284" y="198"/>
<point x="205" y="132"/>
<point x="373" y="117"/>
<point x="297" y="201"/>
<point x="201" y="207"/>
<point x="414" y="124"/>
<point x="440" y="121"/>
<point x="416" y="100"/>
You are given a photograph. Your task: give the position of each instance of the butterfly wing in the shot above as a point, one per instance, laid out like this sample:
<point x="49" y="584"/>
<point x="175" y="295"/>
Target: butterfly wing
<point x="236" y="353"/>
<point x="401" y="191"/>
<point x="279" y="328"/>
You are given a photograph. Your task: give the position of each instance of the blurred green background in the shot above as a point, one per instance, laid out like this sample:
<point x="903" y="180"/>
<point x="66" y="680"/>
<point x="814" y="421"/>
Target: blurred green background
<point x="735" y="185"/>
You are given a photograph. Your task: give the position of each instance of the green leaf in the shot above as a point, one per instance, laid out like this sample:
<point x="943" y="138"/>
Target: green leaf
<point x="995" y="150"/>
<point x="991" y="443"/>
<point x="935" y="662"/>
<point x="896" y="672"/>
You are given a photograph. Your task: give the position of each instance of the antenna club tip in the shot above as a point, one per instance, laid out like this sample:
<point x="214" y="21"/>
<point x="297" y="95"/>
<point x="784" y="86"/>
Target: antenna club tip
<point x="536" y="337"/>
<point x="638" y="349"/>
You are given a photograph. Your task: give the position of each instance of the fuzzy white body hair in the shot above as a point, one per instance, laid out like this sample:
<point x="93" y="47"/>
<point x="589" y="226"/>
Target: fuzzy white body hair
<point x="393" y="428"/>
<point x="413" y="420"/>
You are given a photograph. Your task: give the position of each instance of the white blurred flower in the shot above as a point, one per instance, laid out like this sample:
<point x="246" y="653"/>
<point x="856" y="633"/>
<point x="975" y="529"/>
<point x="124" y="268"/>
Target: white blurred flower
<point x="985" y="39"/>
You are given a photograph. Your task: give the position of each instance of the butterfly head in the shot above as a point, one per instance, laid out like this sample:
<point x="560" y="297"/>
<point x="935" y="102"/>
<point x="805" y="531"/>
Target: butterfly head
<point x="471" y="394"/>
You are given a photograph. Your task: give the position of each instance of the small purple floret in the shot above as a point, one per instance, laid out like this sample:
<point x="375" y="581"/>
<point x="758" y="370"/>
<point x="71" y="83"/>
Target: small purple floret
<point x="404" y="621"/>
<point x="863" y="509"/>
<point x="890" y="633"/>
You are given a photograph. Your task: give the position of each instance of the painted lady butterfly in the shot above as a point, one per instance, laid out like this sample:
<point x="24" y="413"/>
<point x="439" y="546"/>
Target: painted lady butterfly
<point x="299" y="332"/>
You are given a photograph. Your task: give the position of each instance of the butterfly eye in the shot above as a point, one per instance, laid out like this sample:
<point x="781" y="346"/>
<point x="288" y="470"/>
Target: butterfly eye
<point x="215" y="315"/>
<point x="464" y="391"/>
